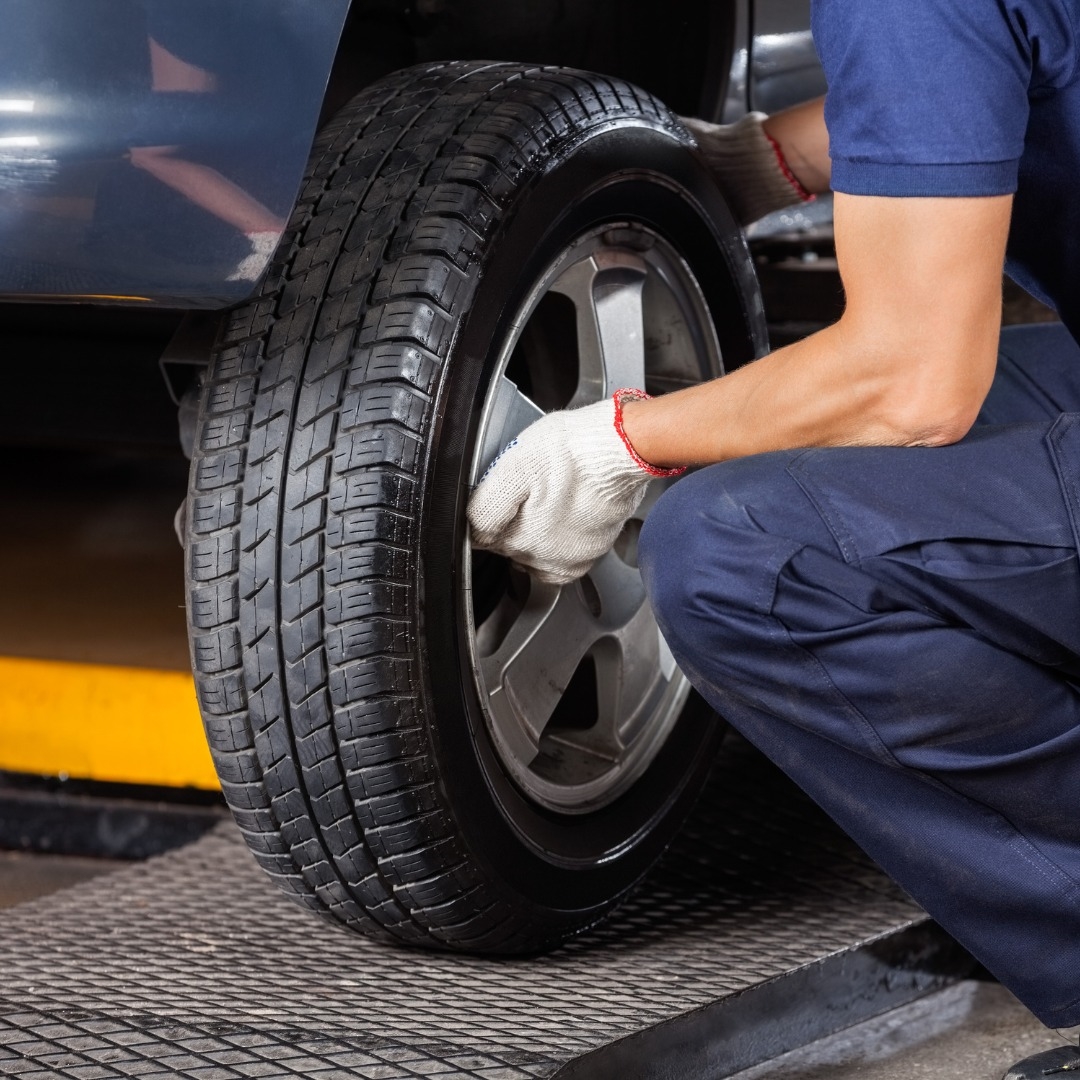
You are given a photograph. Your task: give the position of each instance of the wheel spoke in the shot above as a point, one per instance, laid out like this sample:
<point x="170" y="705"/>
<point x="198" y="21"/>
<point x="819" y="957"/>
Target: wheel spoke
<point x="627" y="657"/>
<point x="627" y="669"/>
<point x="607" y="293"/>
<point x="511" y="412"/>
<point x="531" y="669"/>
<point x="620" y="591"/>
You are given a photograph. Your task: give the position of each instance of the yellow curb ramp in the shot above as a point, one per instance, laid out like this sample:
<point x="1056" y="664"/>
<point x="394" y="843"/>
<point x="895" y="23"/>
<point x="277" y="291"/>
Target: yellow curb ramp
<point x="99" y="722"/>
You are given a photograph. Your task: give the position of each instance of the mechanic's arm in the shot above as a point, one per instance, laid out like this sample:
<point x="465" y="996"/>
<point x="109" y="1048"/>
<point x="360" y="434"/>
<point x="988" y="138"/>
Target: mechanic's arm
<point x="908" y="364"/>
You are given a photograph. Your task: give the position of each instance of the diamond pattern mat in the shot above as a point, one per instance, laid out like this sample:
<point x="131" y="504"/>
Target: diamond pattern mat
<point x="192" y="965"/>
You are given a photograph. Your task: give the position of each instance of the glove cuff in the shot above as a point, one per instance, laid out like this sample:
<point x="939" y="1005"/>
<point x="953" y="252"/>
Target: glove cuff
<point x="749" y="166"/>
<point x="637" y="395"/>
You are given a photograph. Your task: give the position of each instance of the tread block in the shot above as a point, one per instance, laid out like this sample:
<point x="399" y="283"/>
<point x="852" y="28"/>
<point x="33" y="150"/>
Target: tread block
<point x="371" y="489"/>
<point x="464" y="201"/>
<point x="367" y="638"/>
<point x="371" y="447"/>
<point x="312" y="442"/>
<point x="366" y="526"/>
<point x="431" y="277"/>
<point x="374" y="717"/>
<point x="363" y="601"/>
<point x="359" y="562"/>
<point x="489" y="176"/>
<point x="237" y="361"/>
<point x="302" y="554"/>
<point x="395" y="360"/>
<point x="292" y="327"/>
<point x="222" y="431"/>
<point x="242" y="773"/>
<point x="303" y="681"/>
<point x="227" y="735"/>
<point x="217" y="651"/>
<point x="211" y="513"/>
<point x="319" y="395"/>
<point x="219" y="470"/>
<point x="451" y="238"/>
<point x="301" y="636"/>
<point x="375" y="810"/>
<point x="214" y="556"/>
<point x="221" y="694"/>
<point x="431" y="894"/>
<point x="384" y="402"/>
<point x="226" y="397"/>
<point x="213" y="605"/>
<point x="419" y="849"/>
<point x="360" y="679"/>
<point x="390" y="746"/>
<point x="260" y="559"/>
<point x="421" y="322"/>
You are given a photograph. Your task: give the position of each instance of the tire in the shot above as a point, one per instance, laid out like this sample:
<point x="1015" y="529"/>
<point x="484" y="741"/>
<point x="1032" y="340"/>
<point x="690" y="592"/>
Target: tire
<point x="338" y="617"/>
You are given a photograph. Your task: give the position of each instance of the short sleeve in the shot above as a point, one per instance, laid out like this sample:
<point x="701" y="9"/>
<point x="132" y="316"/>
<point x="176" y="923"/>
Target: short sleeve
<point x="931" y="97"/>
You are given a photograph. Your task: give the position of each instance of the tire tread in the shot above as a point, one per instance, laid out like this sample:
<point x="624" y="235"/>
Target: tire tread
<point x="305" y="485"/>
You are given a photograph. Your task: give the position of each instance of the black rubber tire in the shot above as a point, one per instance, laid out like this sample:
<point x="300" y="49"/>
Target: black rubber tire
<point x="328" y="485"/>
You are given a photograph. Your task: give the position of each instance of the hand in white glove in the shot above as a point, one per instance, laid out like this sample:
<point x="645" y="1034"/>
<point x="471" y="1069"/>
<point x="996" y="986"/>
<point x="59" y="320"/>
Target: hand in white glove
<point x="748" y="165"/>
<point x="557" y="497"/>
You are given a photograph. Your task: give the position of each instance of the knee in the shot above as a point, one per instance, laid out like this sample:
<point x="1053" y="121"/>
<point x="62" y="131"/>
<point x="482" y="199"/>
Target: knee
<point x="667" y="549"/>
<point x="705" y="556"/>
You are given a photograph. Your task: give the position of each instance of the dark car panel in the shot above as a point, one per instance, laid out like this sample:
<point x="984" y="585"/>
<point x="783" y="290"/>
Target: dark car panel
<point x="784" y="66"/>
<point x="151" y="150"/>
<point x="141" y="140"/>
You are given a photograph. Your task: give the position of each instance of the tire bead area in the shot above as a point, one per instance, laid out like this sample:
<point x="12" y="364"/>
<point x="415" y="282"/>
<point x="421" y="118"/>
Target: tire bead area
<point x="319" y="514"/>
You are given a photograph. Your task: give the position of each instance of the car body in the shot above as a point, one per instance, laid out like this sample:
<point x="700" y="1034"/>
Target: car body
<point x="112" y="114"/>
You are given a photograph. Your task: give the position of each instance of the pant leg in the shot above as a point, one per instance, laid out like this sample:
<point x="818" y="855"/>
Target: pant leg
<point x="899" y="630"/>
<point x="1038" y="376"/>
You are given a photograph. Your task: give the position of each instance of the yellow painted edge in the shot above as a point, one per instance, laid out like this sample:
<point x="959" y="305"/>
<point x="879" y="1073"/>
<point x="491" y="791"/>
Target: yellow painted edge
<point x="71" y="297"/>
<point x="98" y="722"/>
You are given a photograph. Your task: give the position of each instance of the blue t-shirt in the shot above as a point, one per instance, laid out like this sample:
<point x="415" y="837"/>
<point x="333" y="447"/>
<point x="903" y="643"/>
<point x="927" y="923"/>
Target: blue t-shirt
<point x="964" y="97"/>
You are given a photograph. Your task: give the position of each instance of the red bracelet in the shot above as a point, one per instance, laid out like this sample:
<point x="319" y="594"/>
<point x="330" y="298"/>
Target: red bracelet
<point x="785" y="168"/>
<point x="637" y="395"/>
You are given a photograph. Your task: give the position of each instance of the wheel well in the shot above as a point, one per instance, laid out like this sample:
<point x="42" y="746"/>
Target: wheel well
<point x="681" y="51"/>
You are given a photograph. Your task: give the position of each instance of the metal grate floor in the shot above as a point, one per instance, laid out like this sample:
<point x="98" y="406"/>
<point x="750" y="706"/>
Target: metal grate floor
<point x="762" y="929"/>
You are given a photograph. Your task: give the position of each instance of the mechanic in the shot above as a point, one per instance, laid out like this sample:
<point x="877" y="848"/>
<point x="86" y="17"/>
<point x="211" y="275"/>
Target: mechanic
<point x="877" y="579"/>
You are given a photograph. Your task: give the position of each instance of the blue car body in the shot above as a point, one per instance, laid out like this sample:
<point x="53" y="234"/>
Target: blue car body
<point x="151" y="150"/>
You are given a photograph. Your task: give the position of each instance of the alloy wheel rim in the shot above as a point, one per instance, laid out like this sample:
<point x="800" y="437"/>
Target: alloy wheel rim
<point x="578" y="689"/>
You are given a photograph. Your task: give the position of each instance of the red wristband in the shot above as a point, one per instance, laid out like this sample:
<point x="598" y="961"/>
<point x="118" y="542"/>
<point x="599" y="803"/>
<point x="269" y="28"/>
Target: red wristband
<point x="785" y="168"/>
<point x="637" y="395"/>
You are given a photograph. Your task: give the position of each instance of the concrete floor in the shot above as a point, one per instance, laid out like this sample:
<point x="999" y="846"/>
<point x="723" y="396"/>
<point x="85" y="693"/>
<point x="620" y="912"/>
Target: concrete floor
<point x="25" y="876"/>
<point x="972" y="1031"/>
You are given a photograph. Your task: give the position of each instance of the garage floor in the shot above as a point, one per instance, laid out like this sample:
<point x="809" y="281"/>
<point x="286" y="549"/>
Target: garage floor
<point x="973" y="1031"/>
<point x="25" y="875"/>
<point x="970" y="1031"/>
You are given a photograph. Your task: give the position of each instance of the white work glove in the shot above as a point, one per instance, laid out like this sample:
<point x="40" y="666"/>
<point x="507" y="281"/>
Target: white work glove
<point x="557" y="497"/>
<point x="748" y="166"/>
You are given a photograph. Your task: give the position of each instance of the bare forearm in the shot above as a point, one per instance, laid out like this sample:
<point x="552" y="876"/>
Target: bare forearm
<point x="813" y="393"/>
<point x="804" y="141"/>
<point x="909" y="363"/>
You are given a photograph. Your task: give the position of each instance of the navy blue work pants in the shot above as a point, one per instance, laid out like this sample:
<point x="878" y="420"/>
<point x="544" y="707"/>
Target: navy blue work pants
<point x="899" y="630"/>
